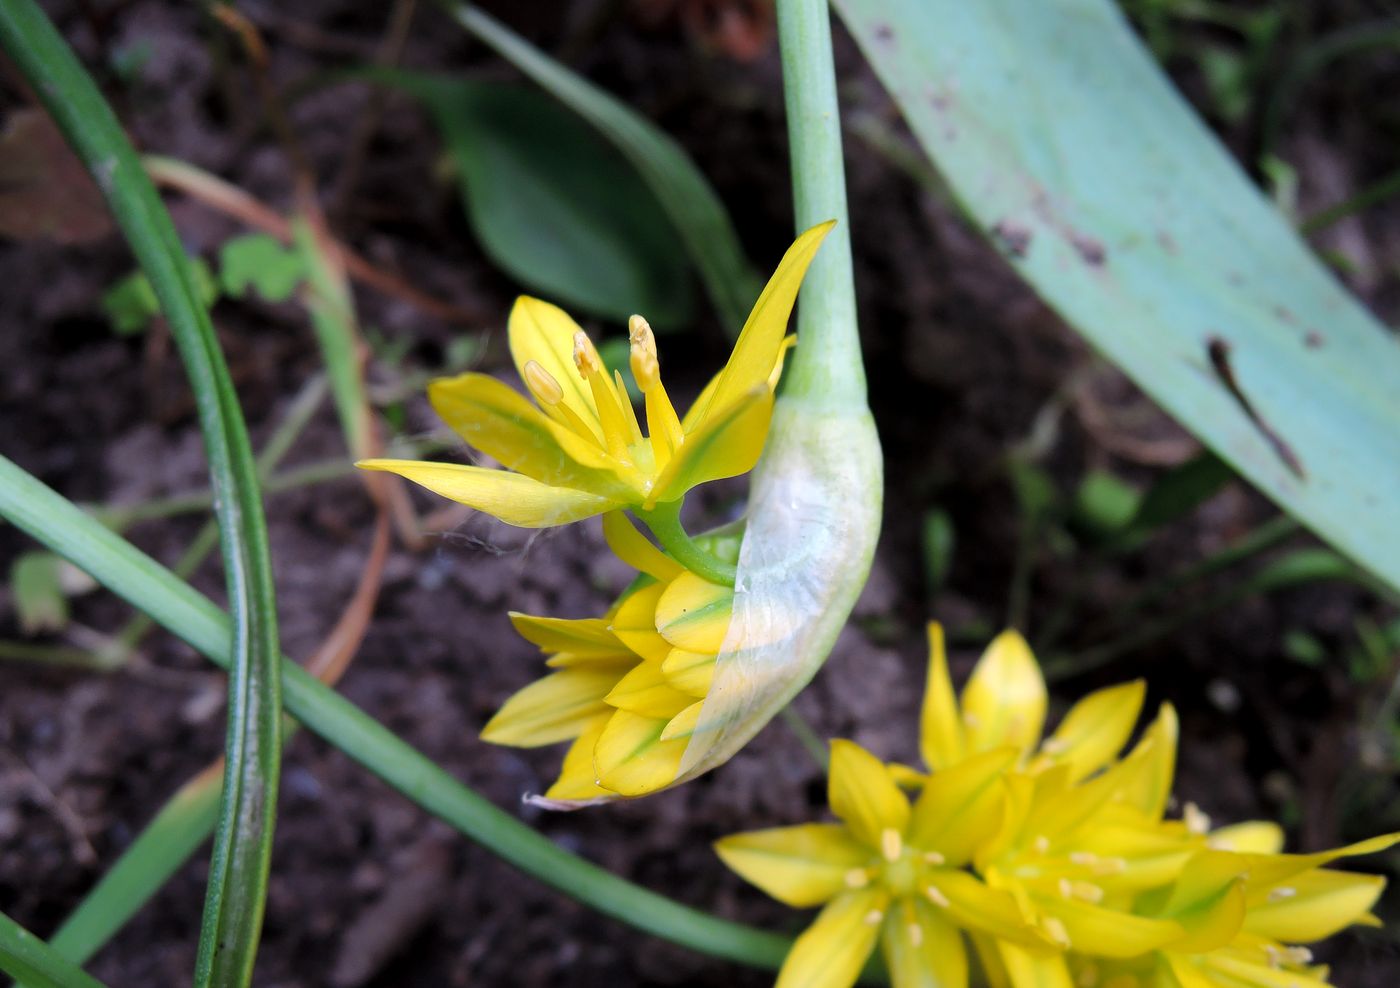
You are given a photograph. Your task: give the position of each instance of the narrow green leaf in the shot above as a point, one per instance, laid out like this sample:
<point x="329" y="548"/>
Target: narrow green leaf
<point x="1181" y="490"/>
<point x="1150" y="240"/>
<point x="36" y="509"/>
<point x="242" y="848"/>
<point x="556" y="205"/>
<point x="705" y="228"/>
<point x="25" y="956"/>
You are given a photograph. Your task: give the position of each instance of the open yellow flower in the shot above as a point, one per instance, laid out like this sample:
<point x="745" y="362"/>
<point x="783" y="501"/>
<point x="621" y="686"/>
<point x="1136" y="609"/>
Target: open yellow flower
<point x="888" y="873"/>
<point x="579" y="450"/>
<point x="627" y="688"/>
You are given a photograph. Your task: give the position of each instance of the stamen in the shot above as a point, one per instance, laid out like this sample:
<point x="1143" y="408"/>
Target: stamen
<point x="542" y="383"/>
<point x="1281" y="893"/>
<point x="1297" y="955"/>
<point x="1054" y="746"/>
<point x="916" y="934"/>
<point x="1196" y="821"/>
<point x="1110" y="866"/>
<point x="645" y="368"/>
<point x="937" y="897"/>
<point x="1085" y="859"/>
<point x="1084" y="891"/>
<point x="934" y="858"/>
<point x="586" y="357"/>
<point x="891" y="844"/>
<point x="971" y="719"/>
<point x="874" y="917"/>
<point x="1041" y="844"/>
<point x="857" y="878"/>
<point x="1056" y="931"/>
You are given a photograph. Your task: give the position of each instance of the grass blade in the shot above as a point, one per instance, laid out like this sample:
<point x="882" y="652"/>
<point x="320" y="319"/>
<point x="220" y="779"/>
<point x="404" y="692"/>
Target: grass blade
<point x="23" y="955"/>
<point x="36" y="509"/>
<point x="697" y="212"/>
<point x="242" y="849"/>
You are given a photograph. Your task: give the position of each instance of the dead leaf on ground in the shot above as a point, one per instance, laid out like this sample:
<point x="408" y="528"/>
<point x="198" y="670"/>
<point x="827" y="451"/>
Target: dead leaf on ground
<point x="45" y="192"/>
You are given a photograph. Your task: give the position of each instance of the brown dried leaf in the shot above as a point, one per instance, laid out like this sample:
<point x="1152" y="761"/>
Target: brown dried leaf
<point x="45" y="192"/>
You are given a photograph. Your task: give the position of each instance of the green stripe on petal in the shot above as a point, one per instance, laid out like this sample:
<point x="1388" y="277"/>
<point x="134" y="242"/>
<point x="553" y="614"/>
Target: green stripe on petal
<point x="513" y="498"/>
<point x="645" y="691"/>
<point x="630" y="758"/>
<point x="801" y="866"/>
<point x="960" y="806"/>
<point x="726" y="444"/>
<point x="694" y="614"/>
<point x="922" y="949"/>
<point x="581" y="637"/>
<point x="834" y="949"/>
<point x="556" y="708"/>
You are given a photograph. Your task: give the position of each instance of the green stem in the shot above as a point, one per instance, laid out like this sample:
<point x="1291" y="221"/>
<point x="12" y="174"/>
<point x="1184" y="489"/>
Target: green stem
<point x="809" y="738"/>
<point x="1373" y="195"/>
<point x="237" y="885"/>
<point x="665" y="523"/>
<point x="826" y="366"/>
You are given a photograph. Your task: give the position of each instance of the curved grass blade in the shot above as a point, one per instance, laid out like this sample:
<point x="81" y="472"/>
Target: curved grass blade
<point x="1151" y="242"/>
<point x="697" y="212"/>
<point x="25" y="956"/>
<point x="242" y="849"/>
<point x="36" y="509"/>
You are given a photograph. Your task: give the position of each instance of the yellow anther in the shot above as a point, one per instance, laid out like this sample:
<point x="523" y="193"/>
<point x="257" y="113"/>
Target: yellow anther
<point x="857" y="878"/>
<point x="891" y="844"/>
<point x="937" y="897"/>
<point x="1110" y="866"/>
<point x="1041" y="844"/>
<point x="1297" y="955"/>
<point x="585" y="356"/>
<point x="645" y="368"/>
<point x="1054" y="746"/>
<point x="542" y="383"/>
<point x="934" y="858"/>
<point x="971" y="719"/>
<point x="874" y="917"/>
<point x="1086" y="859"/>
<point x="1056" y="931"/>
<point x="1085" y="892"/>
<point x="1281" y="893"/>
<point x="1196" y="821"/>
<point x="916" y="934"/>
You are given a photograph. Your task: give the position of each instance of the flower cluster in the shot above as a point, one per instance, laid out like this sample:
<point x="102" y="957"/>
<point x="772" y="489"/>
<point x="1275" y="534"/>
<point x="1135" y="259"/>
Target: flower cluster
<point x="627" y="688"/>
<point x="1053" y="859"/>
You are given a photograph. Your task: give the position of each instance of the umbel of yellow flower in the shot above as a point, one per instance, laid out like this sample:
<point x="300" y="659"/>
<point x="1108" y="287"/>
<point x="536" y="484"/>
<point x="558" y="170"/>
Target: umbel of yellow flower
<point x="579" y="450"/>
<point x="626" y="688"/>
<point x="1104" y="891"/>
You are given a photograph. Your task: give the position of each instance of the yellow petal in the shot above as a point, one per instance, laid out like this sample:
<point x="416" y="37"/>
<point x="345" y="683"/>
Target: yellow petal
<point x="645" y="691"/>
<point x="960" y="806"/>
<point x="760" y="343"/>
<point x="502" y="423"/>
<point x="864" y="794"/>
<point x="1268" y="870"/>
<point x="940" y="728"/>
<point x="1110" y="933"/>
<point x="576" y="779"/>
<point x="630" y="758"/>
<point x="683" y="725"/>
<point x="974" y="906"/>
<point x="726" y="444"/>
<point x="586" y="636"/>
<point x="989" y="959"/>
<point x="555" y="708"/>
<point x="691" y="672"/>
<point x="1004" y="701"/>
<point x="1229" y="968"/>
<point x="1251" y="837"/>
<point x="833" y="950"/>
<point x="801" y="866"/>
<point x="511" y="497"/>
<point x="1150" y="787"/>
<point x="635" y="623"/>
<point x="1034" y="968"/>
<point x="922" y="949"/>
<point x="544" y="333"/>
<point x="1096" y="729"/>
<point x="633" y="548"/>
<point x="693" y="613"/>
<point x="1315" y="906"/>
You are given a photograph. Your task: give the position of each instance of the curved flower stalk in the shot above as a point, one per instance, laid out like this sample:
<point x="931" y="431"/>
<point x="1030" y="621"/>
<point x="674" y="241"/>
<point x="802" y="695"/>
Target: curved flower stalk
<point x="1103" y="889"/>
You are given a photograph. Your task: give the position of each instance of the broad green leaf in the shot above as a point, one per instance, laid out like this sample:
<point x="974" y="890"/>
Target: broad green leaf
<point x="705" y="229"/>
<point x="555" y="205"/>
<point x="40" y="603"/>
<point x="131" y="303"/>
<point x="237" y="887"/>
<point x="1071" y="150"/>
<point x="259" y="262"/>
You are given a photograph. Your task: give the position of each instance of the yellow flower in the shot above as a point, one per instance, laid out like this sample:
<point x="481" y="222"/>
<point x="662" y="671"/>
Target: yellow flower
<point x="627" y="688"/>
<point x="889" y="872"/>
<point x="579" y="450"/>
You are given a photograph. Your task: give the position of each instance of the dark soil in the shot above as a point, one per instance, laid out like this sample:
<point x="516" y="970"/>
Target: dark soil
<point x="367" y="890"/>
